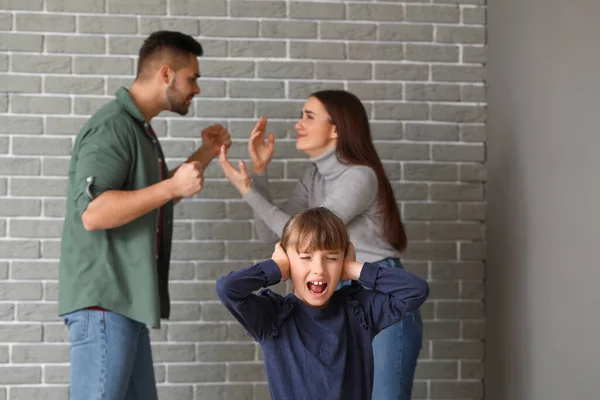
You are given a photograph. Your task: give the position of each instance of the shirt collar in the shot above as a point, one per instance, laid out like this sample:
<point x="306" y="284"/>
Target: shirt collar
<point x="125" y="100"/>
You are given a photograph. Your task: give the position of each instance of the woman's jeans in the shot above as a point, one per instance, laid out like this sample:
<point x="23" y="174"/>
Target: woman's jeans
<point x="111" y="357"/>
<point x="396" y="350"/>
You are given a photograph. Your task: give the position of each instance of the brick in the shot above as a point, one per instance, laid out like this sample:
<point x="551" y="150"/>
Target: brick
<point x="175" y="392"/>
<point x="246" y="372"/>
<point x="25" y="332"/>
<point x="473" y="133"/>
<point x="23" y="228"/>
<point x="225" y="352"/>
<point x="6" y="22"/>
<point x="19" y="291"/>
<point x="376" y="51"/>
<point x="318" y="50"/>
<point x="432" y="92"/>
<point x="169" y="352"/>
<point x="460" y="310"/>
<point x="401" y="111"/>
<point x="75" y="44"/>
<point x="11" y="375"/>
<point x="254" y="48"/>
<point x="441" y="330"/>
<point x="348" y="31"/>
<point x="402" y="151"/>
<point x="473" y="15"/>
<point x="236" y="29"/>
<point x="20" y="84"/>
<point x="457" y="271"/>
<point x="225" y="108"/>
<point x="103" y="65"/>
<point x="227" y="69"/>
<point x="177" y="148"/>
<point x="215" y="312"/>
<point x="456" y="192"/>
<point x="460" y="1"/>
<point x="250" y="250"/>
<point x="343" y="71"/>
<point x="472" y="290"/>
<point x="4" y="61"/>
<point x="89" y="105"/>
<point x="317" y="11"/>
<point x="19" y="207"/>
<point x="199" y="251"/>
<point x="393" y="170"/>
<point x="73" y="85"/>
<point x="261" y="391"/>
<point x="182" y="271"/>
<point x="430" y="251"/>
<point x="436" y="370"/>
<point x="410" y="191"/>
<point x="303" y="89"/>
<point x="3" y="186"/>
<point x="428" y="131"/>
<point x="40" y="63"/>
<point x="473" y="251"/>
<point x="457" y="231"/>
<point x="430" y="172"/>
<point x="405" y="32"/>
<point x="196" y="373"/>
<point x="456" y="390"/>
<point x="7" y="313"/>
<point x="474" y="54"/>
<point x="387" y="130"/>
<point x="190" y="209"/>
<point x="29" y="5"/>
<point x="18" y="166"/>
<point x="457" y="152"/>
<point x="473" y="94"/>
<point x="458" y="113"/>
<point x="472" y="211"/>
<point x="473" y="329"/>
<point x="38" y="187"/>
<point x="39" y="393"/>
<point x="288" y="29"/>
<point x="258" y="9"/>
<point x="184" y="311"/>
<point x="432" y="53"/>
<point x="40" y="105"/>
<point x="401" y="72"/>
<point x="127" y="45"/>
<point x="471" y="370"/>
<point x="32" y="354"/>
<point x="279" y="109"/>
<point x="253" y="89"/>
<point x="206" y="8"/>
<point x="153" y="7"/>
<point x="237" y="333"/>
<point x="4" y="145"/>
<point x="107" y="24"/>
<point x="34" y="270"/>
<point x="41" y="146"/>
<point x="458" y="73"/>
<point x="457" y="350"/>
<point x="417" y="231"/>
<point x="225" y="392"/>
<point x="75" y="6"/>
<point x="281" y="69"/>
<point x="376" y="91"/>
<point x="64" y="125"/>
<point x="215" y="269"/>
<point x="375" y="12"/>
<point x="20" y="42"/>
<point x="460" y="34"/>
<point x="113" y="84"/>
<point x="56" y="374"/>
<point x="430" y="211"/>
<point x="222" y="230"/>
<point x="55" y="333"/>
<point x="433" y="13"/>
<point x="243" y="210"/>
<point x="151" y="24"/>
<point x="19" y="249"/>
<point x="45" y="22"/>
<point x="51" y="249"/>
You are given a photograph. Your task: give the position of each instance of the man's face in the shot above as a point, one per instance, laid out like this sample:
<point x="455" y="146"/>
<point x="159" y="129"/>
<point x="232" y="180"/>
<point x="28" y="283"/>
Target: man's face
<point x="184" y="87"/>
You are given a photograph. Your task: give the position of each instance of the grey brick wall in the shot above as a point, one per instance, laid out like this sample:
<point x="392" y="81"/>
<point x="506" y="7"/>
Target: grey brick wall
<point x="418" y="66"/>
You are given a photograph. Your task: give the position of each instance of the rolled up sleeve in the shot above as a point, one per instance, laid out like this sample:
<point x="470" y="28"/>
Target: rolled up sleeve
<point x="103" y="163"/>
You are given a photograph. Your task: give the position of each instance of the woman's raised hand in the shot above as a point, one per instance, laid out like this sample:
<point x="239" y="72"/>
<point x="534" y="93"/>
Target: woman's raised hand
<point x="260" y="153"/>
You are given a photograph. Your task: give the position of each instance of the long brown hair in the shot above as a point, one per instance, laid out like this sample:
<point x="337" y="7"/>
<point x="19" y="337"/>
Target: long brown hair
<point x="355" y="146"/>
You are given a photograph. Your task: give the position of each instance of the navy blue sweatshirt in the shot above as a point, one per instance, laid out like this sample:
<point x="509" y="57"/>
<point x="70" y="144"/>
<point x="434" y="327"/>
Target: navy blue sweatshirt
<point x="320" y="353"/>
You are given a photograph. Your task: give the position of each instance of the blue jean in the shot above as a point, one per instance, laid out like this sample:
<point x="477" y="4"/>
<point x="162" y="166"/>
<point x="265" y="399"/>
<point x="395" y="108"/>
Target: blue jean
<point x="111" y="357"/>
<point x="395" y="351"/>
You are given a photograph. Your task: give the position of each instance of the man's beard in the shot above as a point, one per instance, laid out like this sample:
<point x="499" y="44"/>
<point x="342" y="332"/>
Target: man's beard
<point x="177" y="102"/>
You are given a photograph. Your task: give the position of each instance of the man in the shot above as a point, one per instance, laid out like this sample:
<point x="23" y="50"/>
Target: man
<point x="116" y="240"/>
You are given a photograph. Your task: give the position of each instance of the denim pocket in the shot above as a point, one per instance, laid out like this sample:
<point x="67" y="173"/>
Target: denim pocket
<point x="78" y="323"/>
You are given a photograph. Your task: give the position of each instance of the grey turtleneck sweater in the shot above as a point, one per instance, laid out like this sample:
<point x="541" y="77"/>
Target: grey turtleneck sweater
<point x="350" y="191"/>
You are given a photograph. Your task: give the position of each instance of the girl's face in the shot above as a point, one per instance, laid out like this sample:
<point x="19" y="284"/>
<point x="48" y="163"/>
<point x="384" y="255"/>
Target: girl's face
<point x="316" y="133"/>
<point x="315" y="274"/>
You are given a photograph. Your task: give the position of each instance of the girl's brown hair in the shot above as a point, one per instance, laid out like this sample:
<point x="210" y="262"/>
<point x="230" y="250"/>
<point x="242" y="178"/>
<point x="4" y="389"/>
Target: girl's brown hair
<point x="315" y="229"/>
<point x="355" y="146"/>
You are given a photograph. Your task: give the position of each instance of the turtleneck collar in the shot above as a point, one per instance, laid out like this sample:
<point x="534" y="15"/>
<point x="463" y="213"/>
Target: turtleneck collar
<point x="328" y="164"/>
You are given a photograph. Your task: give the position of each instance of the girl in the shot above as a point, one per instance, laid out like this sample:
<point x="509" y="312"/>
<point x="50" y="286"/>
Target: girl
<point x="317" y="341"/>
<point x="347" y="177"/>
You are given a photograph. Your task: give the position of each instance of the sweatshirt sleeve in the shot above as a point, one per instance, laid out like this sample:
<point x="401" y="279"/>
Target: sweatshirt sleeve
<point x="254" y="312"/>
<point x="386" y="294"/>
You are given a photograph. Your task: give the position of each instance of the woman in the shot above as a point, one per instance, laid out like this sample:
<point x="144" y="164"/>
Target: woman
<point x="348" y="178"/>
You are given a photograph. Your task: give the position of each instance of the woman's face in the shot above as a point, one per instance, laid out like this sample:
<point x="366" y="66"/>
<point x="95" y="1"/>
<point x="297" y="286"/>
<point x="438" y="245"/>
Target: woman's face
<point x="316" y="133"/>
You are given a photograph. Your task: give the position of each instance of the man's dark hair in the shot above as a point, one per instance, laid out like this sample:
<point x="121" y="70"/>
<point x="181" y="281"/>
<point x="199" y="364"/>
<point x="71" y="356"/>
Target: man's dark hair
<point x="174" y="46"/>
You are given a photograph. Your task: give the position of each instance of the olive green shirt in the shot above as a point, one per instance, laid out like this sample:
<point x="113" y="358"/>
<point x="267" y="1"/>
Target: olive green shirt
<point x="117" y="269"/>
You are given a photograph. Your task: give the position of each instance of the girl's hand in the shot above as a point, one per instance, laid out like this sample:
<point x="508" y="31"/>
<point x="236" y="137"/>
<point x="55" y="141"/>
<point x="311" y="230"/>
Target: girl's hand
<point x="260" y="154"/>
<point x="283" y="262"/>
<point x="239" y="179"/>
<point x="351" y="269"/>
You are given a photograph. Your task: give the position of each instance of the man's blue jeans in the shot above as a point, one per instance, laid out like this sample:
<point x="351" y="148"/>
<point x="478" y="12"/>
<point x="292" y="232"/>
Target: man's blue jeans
<point x="111" y="357"/>
<point x="395" y="351"/>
